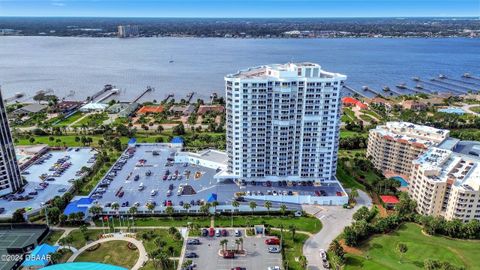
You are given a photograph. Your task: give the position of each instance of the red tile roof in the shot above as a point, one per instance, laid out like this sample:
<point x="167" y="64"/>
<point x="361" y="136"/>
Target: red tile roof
<point x="389" y="199"/>
<point x="353" y="102"/>
<point x="150" y="109"/>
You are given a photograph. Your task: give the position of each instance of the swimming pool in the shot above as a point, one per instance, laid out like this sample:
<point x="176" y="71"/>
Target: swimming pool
<point x="82" y="266"/>
<point x="402" y="181"/>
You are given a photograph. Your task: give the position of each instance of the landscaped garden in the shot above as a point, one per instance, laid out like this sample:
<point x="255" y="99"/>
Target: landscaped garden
<point x="113" y="252"/>
<point x="381" y="251"/>
<point x="292" y="249"/>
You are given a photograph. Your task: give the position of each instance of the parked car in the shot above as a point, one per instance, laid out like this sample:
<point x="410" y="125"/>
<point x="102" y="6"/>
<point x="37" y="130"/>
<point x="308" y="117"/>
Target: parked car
<point x="224" y="232"/>
<point x="272" y="241"/>
<point x="228" y="255"/>
<point x="204" y="232"/>
<point x="275" y="249"/>
<point x="237" y="233"/>
<point x="238" y="268"/>
<point x="193" y="242"/>
<point x="211" y="232"/>
<point x="191" y="255"/>
<point x="217" y="233"/>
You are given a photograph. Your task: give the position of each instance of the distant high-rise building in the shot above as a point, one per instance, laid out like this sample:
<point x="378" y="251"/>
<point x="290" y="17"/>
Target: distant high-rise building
<point x="10" y="179"/>
<point x="446" y="183"/>
<point x="126" y="31"/>
<point x="392" y="147"/>
<point x="283" y="122"/>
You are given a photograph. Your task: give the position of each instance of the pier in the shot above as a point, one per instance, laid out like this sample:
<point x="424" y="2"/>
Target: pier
<point x="15" y="97"/>
<point x="387" y="89"/>
<point x="416" y="90"/>
<point x="453" y="85"/>
<point x="107" y="95"/>
<point x="474" y="84"/>
<point x="189" y="97"/>
<point x="419" y="86"/>
<point x="149" y="89"/>
<point x="354" y="91"/>
<point x="416" y="79"/>
<point x="368" y="89"/>
<point x="169" y="96"/>
<point x="97" y="94"/>
<point x="470" y="76"/>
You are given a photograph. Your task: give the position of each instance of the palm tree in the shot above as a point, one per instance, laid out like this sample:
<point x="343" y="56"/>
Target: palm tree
<point x="283" y="209"/>
<point x="205" y="209"/>
<point x="268" y="205"/>
<point x="237" y="244"/>
<point x="186" y="206"/>
<point x="115" y="206"/>
<point x="214" y="205"/>
<point x="235" y="205"/>
<point x="303" y="261"/>
<point x="169" y="211"/>
<point x="292" y="229"/>
<point x="240" y="240"/>
<point x="353" y="194"/>
<point x="224" y="243"/>
<point x="252" y="205"/>
<point x="132" y="211"/>
<point x="151" y="207"/>
<point x="95" y="210"/>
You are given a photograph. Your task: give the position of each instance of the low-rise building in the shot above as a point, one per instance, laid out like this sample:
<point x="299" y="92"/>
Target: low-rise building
<point x="414" y="105"/>
<point x="352" y="102"/>
<point x="29" y="109"/>
<point x="446" y="183"/>
<point x="185" y="110"/>
<point x="203" y="109"/>
<point x="392" y="147"/>
<point x="149" y="110"/>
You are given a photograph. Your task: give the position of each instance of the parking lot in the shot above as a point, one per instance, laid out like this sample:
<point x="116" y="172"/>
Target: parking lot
<point x="147" y="174"/>
<point x="58" y="169"/>
<point x="257" y="256"/>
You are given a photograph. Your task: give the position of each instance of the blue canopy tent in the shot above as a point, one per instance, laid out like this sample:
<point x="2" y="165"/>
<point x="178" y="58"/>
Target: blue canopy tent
<point x="212" y="198"/>
<point x="38" y="258"/>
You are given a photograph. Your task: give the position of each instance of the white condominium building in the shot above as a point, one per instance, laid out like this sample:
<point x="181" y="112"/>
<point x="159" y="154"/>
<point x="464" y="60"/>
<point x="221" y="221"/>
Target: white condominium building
<point x="10" y="179"/>
<point x="393" y="146"/>
<point x="446" y="183"/>
<point x="283" y="122"/>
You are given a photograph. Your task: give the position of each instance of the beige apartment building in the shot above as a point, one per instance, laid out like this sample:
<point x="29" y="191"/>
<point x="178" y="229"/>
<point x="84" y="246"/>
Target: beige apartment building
<point x="392" y="147"/>
<point x="446" y="183"/>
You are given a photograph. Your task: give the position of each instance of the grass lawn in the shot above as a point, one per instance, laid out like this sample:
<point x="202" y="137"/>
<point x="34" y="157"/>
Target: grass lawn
<point x="382" y="254"/>
<point x="112" y="252"/>
<point x="95" y="119"/>
<point x="308" y="224"/>
<point x="475" y="109"/>
<point x="66" y="253"/>
<point x="346" y="178"/>
<point x="74" y="117"/>
<point x="165" y="236"/>
<point x="351" y="115"/>
<point x="292" y="249"/>
<point x="79" y="241"/>
<point x="53" y="236"/>
<point x="367" y="118"/>
<point x="348" y="134"/>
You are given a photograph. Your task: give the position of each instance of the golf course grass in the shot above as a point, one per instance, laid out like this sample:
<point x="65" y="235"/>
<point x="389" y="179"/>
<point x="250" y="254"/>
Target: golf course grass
<point x="112" y="252"/>
<point x="380" y="252"/>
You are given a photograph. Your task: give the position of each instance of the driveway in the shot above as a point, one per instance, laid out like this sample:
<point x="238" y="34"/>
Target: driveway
<point x="334" y="220"/>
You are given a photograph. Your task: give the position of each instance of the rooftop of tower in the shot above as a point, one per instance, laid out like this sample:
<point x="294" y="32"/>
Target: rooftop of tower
<point x="287" y="70"/>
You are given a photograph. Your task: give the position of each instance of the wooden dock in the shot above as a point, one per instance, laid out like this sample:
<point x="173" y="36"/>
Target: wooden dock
<point x="149" y="89"/>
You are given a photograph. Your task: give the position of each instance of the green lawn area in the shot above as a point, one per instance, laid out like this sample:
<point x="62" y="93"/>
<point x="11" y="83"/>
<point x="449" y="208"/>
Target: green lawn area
<point x="380" y="251"/>
<point x="79" y="240"/>
<point x="346" y="178"/>
<point x="165" y="236"/>
<point x="74" y="117"/>
<point x="66" y="253"/>
<point x="350" y="114"/>
<point x="372" y="113"/>
<point x="112" y="252"/>
<point x="475" y="109"/>
<point x="95" y="119"/>
<point x="348" y="134"/>
<point x="292" y="249"/>
<point x="53" y="236"/>
<point x="308" y="224"/>
<point x="366" y="118"/>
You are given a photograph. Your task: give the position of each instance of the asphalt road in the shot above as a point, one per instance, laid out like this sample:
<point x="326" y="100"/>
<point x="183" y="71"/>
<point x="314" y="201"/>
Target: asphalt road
<point x="334" y="220"/>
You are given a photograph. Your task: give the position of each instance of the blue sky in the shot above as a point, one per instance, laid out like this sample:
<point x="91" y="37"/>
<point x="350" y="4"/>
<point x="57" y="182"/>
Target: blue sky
<point x="241" y="8"/>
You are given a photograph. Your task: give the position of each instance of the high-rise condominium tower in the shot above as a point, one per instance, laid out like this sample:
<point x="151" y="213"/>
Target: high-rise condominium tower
<point x="283" y="122"/>
<point x="10" y="179"/>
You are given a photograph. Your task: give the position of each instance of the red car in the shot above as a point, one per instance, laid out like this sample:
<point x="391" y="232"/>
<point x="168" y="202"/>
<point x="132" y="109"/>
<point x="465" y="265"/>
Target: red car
<point x="228" y="255"/>
<point x="272" y="241"/>
<point x="169" y="203"/>
<point x="211" y="232"/>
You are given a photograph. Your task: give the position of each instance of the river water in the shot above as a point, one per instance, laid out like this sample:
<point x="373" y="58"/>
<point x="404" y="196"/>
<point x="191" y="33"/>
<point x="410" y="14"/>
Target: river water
<point x="81" y="66"/>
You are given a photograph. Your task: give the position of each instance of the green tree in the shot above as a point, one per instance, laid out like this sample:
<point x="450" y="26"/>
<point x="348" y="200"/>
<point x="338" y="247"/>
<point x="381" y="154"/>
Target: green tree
<point x="293" y="229"/>
<point x="252" y="205"/>
<point x="283" y="209"/>
<point x="402" y="249"/>
<point x="268" y="205"/>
